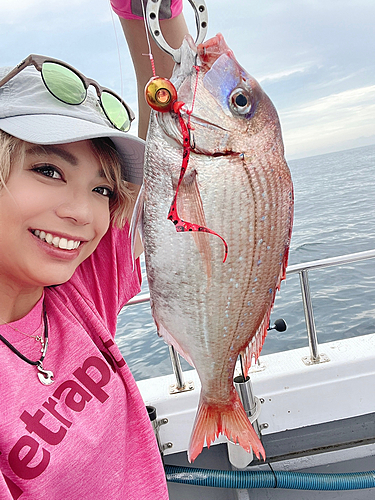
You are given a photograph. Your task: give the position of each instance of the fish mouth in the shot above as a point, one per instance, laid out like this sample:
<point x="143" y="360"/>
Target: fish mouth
<point x="201" y="121"/>
<point x="172" y="131"/>
<point x="197" y="121"/>
<point x="56" y="241"/>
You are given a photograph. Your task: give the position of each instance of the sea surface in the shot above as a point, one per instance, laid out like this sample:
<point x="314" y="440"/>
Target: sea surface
<point x="334" y="215"/>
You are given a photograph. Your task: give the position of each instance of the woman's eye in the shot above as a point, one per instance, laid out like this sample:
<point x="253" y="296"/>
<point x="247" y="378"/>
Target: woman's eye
<point x="104" y="191"/>
<point x="48" y="171"/>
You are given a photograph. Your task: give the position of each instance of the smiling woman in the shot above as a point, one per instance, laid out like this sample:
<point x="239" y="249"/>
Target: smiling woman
<point x="13" y="150"/>
<point x="73" y="422"/>
<point x="69" y="203"/>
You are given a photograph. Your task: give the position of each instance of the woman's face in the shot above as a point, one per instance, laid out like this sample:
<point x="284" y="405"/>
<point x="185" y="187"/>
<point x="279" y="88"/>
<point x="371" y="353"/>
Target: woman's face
<point x="53" y="214"/>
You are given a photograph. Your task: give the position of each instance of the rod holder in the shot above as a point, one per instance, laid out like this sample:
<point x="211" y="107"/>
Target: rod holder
<point x="251" y="403"/>
<point x="239" y="457"/>
<point x="151" y="410"/>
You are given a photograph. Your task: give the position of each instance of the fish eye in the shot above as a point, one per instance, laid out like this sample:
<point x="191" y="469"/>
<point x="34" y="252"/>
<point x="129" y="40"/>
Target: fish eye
<point x="240" y="101"/>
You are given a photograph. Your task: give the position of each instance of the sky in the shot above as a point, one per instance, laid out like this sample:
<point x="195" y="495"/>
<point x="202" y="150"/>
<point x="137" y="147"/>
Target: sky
<point x="314" y="58"/>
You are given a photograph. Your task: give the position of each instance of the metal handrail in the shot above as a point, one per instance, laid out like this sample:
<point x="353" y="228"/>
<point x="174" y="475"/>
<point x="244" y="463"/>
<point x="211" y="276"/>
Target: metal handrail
<point x="331" y="261"/>
<point x="302" y="269"/>
<point x="138" y="299"/>
<point x="295" y="268"/>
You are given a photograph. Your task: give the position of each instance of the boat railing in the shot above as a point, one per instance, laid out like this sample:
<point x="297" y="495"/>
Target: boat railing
<point x="303" y="270"/>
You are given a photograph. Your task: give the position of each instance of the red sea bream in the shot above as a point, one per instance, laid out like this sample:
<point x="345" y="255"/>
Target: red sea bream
<point x="238" y="185"/>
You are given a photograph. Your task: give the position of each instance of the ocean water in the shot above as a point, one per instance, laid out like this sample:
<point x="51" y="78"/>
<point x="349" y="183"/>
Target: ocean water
<point x="334" y="215"/>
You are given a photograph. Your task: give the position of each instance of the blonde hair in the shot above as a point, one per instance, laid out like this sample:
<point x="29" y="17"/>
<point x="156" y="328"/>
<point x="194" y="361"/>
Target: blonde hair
<point x="13" y="149"/>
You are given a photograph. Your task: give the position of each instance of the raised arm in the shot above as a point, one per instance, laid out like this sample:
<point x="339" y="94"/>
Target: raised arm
<point x="173" y="31"/>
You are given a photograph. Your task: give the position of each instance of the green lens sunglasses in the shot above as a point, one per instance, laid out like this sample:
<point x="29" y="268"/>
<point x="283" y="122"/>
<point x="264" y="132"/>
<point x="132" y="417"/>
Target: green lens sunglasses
<point x="70" y="86"/>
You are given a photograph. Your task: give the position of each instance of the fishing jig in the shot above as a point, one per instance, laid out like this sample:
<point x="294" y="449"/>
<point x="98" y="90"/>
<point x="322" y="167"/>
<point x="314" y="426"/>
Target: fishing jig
<point x="160" y="94"/>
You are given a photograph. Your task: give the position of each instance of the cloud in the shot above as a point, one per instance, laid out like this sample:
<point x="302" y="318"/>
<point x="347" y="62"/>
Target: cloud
<point x="282" y="74"/>
<point x="340" y="102"/>
<point x="329" y="121"/>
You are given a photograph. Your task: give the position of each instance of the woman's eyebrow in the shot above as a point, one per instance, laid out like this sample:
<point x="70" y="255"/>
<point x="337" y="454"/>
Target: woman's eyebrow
<point x="55" y="150"/>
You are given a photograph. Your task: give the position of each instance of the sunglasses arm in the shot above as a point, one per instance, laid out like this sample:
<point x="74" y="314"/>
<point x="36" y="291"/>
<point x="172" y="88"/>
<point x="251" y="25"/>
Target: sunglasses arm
<point x="22" y="65"/>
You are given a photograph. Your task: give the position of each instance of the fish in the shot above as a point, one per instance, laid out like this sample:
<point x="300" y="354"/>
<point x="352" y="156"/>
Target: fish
<point x="217" y="202"/>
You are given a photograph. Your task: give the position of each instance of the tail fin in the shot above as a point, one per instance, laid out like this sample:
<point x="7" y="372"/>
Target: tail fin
<point x="227" y="418"/>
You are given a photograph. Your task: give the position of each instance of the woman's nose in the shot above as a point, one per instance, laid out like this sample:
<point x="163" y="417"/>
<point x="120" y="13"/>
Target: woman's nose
<point x="76" y="207"/>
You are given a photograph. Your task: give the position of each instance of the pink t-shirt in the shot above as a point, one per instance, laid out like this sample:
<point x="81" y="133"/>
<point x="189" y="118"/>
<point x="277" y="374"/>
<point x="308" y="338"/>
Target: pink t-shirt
<point x="132" y="9"/>
<point x="88" y="435"/>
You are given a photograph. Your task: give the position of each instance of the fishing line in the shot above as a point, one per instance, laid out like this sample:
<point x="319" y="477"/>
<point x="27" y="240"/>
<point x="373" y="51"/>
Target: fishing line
<point x="118" y="50"/>
<point x="197" y="69"/>
<point x="148" y="42"/>
<point x="180" y="224"/>
<point x="274" y="475"/>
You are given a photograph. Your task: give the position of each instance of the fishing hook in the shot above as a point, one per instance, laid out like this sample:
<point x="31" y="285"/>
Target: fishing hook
<point x="152" y="18"/>
<point x="191" y="139"/>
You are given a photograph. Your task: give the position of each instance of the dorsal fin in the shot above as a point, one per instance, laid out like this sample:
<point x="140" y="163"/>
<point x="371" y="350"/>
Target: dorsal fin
<point x="252" y="351"/>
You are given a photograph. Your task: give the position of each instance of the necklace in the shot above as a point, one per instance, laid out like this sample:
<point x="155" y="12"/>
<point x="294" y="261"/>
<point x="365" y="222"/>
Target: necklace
<point x="45" y="376"/>
<point x="38" y="338"/>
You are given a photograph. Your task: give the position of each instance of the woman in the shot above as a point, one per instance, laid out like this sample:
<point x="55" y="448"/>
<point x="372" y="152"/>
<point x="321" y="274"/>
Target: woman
<point x="73" y="423"/>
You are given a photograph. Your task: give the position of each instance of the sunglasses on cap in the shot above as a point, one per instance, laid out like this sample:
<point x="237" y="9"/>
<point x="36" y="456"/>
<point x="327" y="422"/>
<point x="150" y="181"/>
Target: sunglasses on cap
<point x="70" y="86"/>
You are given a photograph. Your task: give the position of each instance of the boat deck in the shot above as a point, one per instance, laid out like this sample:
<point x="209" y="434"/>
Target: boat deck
<point x="318" y="417"/>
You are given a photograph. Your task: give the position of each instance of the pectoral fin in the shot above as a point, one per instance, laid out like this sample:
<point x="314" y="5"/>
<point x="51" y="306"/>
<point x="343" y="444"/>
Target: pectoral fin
<point x="190" y="208"/>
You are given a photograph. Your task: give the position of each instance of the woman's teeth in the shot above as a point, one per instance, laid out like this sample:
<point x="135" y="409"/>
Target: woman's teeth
<point x="57" y="242"/>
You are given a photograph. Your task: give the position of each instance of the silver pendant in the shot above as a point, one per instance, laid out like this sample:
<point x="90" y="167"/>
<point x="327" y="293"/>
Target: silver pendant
<point x="41" y="340"/>
<point x="45" y="376"/>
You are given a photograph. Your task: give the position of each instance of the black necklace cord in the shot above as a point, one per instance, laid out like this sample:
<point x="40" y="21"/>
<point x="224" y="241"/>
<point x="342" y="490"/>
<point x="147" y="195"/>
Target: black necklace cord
<point x="20" y="355"/>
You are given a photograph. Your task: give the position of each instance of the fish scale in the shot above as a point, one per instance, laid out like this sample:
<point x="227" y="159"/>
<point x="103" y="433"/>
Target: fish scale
<point x="237" y="183"/>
